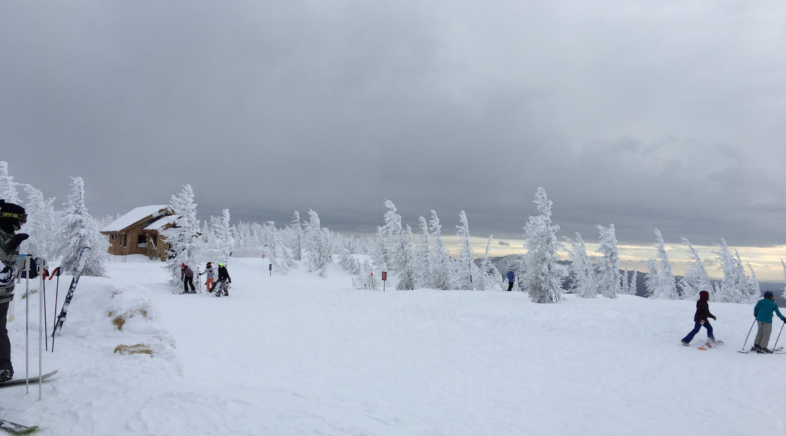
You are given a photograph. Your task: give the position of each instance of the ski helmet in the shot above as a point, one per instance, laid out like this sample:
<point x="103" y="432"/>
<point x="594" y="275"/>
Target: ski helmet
<point x="769" y="294"/>
<point x="12" y="216"/>
<point x="220" y="264"/>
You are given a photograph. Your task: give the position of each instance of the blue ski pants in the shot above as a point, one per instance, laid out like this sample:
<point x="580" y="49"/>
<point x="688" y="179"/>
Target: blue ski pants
<point x="696" y="329"/>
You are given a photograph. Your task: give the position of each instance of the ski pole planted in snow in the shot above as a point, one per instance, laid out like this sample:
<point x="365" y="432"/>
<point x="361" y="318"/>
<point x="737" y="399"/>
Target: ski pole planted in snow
<point x="27" y="324"/>
<point x="749" y="335"/>
<point x="41" y="266"/>
<point x="270" y="268"/>
<point x="779" y="336"/>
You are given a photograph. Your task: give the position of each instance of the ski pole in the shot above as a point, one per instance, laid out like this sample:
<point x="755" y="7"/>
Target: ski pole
<point x="779" y="337"/>
<point x="43" y="285"/>
<point x="27" y="325"/>
<point x="749" y="335"/>
<point x="41" y="267"/>
<point x="57" y="292"/>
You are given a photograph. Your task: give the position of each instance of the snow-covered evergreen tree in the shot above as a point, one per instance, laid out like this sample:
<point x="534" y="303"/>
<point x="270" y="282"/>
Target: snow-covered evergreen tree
<point x="349" y="263"/>
<point x="440" y="262"/>
<point x="609" y="265"/>
<point x="633" y="283"/>
<point x="318" y="247"/>
<point x="297" y="237"/>
<point x="784" y="277"/>
<point x="734" y="288"/>
<point x="282" y="259"/>
<point x="8" y="191"/>
<point x="78" y="230"/>
<point x="754" y="290"/>
<point x="664" y="285"/>
<point x="223" y="234"/>
<point x="423" y="256"/>
<point x="543" y="274"/>
<point x="582" y="272"/>
<point x="651" y="282"/>
<point x="41" y="225"/>
<point x="183" y="237"/>
<point x="405" y="262"/>
<point x="696" y="278"/>
<point x="624" y="287"/>
<point x="366" y="278"/>
<point x="381" y="250"/>
<point x="465" y="265"/>
<point x="489" y="277"/>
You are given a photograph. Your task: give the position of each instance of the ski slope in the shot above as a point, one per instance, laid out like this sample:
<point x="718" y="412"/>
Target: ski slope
<point x="305" y="355"/>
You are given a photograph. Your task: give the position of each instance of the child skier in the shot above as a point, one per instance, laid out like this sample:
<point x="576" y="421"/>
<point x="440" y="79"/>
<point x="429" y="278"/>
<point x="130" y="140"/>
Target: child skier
<point x="701" y="319"/>
<point x="12" y="217"/>
<point x="763" y="313"/>
<point x="211" y="275"/>
<point x="223" y="278"/>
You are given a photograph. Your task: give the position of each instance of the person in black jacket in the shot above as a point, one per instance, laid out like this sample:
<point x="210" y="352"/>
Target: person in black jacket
<point x="701" y="318"/>
<point x="223" y="278"/>
<point x="12" y="217"/>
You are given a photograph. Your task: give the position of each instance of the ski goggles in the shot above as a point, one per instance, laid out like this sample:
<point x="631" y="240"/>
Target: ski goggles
<point x="21" y="217"/>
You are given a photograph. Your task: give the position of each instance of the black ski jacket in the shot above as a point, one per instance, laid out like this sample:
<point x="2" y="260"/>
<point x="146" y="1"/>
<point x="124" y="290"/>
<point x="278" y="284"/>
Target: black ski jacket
<point x="223" y="274"/>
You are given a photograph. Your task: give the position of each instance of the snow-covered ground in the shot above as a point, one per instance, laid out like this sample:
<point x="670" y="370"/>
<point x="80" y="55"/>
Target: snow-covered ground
<point x="305" y="355"/>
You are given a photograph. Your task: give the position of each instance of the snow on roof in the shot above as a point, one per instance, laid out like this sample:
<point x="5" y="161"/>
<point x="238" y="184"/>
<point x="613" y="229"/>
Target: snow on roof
<point x="135" y="216"/>
<point x="162" y="222"/>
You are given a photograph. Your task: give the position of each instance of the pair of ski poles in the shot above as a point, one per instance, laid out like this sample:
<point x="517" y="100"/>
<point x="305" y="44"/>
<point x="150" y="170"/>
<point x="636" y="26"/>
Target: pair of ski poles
<point x="41" y="266"/>
<point x="751" y="329"/>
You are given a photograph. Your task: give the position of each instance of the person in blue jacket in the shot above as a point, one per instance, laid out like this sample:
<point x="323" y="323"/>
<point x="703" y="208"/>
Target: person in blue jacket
<point x="763" y="313"/>
<point x="511" y="279"/>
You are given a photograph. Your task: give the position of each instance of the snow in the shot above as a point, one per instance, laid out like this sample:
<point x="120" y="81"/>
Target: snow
<point x="162" y="222"/>
<point x="302" y="354"/>
<point x="132" y="217"/>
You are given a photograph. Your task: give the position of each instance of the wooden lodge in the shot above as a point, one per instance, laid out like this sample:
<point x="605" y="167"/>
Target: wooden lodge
<point x="137" y="232"/>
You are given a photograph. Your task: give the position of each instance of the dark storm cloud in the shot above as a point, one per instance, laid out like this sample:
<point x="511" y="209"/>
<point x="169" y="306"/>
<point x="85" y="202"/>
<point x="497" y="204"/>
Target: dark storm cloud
<point x="666" y="115"/>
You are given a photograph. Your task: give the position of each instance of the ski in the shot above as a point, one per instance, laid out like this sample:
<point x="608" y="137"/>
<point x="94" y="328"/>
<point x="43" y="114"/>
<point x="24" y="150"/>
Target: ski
<point x="778" y="350"/>
<point x="22" y="380"/>
<point x="14" y="428"/>
<point x="710" y="345"/>
<point x="70" y="294"/>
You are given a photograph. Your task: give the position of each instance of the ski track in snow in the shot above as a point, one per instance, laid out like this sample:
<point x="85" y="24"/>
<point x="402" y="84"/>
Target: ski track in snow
<point x="304" y="355"/>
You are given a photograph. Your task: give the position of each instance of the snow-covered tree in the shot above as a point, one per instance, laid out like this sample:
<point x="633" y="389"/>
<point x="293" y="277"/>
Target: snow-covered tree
<point x="465" y="265"/>
<point x="609" y="265"/>
<point x="282" y="259"/>
<point x="78" y="230"/>
<point x="734" y="288"/>
<point x="183" y="237"/>
<point x="223" y="234"/>
<point x="381" y="250"/>
<point x="423" y="256"/>
<point x="663" y="285"/>
<point x="582" y="272"/>
<point x="542" y="273"/>
<point x="440" y="262"/>
<point x="348" y="262"/>
<point x="41" y="225"/>
<point x="489" y="277"/>
<point x="297" y="237"/>
<point x="784" y="277"/>
<point x="8" y="191"/>
<point x="754" y="290"/>
<point x="696" y="278"/>
<point x="651" y="279"/>
<point x="317" y="245"/>
<point x="366" y="278"/>
<point x="405" y="262"/>
<point x="624" y="287"/>
<point x="633" y="283"/>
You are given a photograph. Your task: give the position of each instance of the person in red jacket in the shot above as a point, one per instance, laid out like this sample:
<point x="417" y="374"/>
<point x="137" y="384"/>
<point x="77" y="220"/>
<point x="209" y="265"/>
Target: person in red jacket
<point x="701" y="318"/>
<point x="187" y="276"/>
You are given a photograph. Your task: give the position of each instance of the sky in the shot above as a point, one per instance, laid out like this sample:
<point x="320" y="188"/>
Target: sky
<point x="668" y="115"/>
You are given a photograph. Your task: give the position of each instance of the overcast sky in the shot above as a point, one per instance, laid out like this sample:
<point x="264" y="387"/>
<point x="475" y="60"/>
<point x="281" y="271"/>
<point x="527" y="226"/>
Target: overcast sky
<point x="668" y="114"/>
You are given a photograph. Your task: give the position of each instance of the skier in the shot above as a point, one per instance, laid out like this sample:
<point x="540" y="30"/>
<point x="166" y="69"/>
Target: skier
<point x="221" y="284"/>
<point x="701" y="319"/>
<point x="211" y="275"/>
<point x="511" y="279"/>
<point x="763" y="313"/>
<point x="12" y="217"/>
<point x="187" y="276"/>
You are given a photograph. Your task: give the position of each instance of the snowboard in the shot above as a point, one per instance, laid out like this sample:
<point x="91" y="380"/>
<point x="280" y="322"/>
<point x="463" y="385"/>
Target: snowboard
<point x="20" y="381"/>
<point x="16" y="428"/>
<point x="709" y="345"/>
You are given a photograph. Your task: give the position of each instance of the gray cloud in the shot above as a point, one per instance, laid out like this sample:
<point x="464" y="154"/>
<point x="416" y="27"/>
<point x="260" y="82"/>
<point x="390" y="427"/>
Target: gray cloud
<point x="645" y="115"/>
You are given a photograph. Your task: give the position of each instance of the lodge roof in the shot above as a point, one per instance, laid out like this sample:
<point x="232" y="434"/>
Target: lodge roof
<point x="136" y="216"/>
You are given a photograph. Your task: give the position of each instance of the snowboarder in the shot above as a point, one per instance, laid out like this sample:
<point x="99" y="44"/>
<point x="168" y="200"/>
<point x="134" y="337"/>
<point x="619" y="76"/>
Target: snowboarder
<point x="701" y="318"/>
<point x="221" y="284"/>
<point x="211" y="275"/>
<point x="187" y="276"/>
<point x="763" y="313"/>
<point x="511" y="279"/>
<point x="12" y="217"/>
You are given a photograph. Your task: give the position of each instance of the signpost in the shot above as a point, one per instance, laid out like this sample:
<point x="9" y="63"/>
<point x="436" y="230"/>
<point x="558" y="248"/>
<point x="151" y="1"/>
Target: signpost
<point x="270" y="268"/>
<point x="384" y="280"/>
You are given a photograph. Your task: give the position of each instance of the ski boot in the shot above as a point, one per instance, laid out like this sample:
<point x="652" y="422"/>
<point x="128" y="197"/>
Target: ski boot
<point x="686" y="343"/>
<point x="6" y="374"/>
<point x="764" y="351"/>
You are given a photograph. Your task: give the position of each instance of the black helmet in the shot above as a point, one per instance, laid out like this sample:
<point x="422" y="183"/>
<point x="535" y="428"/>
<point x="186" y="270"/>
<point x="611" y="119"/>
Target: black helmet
<point x="769" y="294"/>
<point x="12" y="216"/>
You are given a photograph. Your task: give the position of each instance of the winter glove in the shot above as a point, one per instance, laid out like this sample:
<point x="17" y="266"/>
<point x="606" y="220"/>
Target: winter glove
<point x="15" y="241"/>
<point x="714" y="317"/>
<point x="701" y="322"/>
